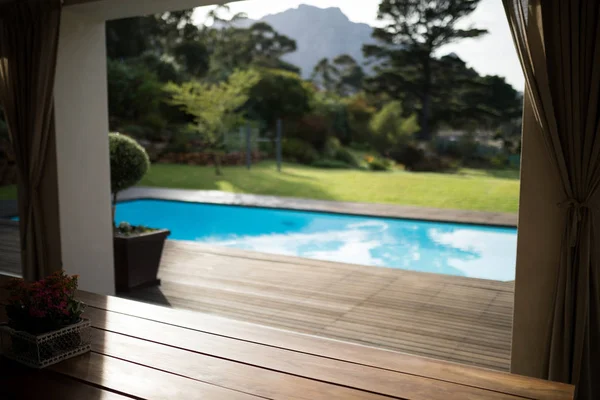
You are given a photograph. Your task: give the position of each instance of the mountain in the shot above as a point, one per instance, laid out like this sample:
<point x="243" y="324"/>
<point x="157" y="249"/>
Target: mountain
<point x="319" y="33"/>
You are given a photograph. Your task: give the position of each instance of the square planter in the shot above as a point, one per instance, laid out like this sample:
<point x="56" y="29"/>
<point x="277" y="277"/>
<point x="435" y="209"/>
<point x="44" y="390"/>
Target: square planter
<point x="137" y="259"/>
<point x="39" y="351"/>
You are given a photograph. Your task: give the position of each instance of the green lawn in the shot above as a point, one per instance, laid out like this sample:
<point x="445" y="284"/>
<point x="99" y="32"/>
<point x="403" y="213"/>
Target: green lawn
<point x="467" y="189"/>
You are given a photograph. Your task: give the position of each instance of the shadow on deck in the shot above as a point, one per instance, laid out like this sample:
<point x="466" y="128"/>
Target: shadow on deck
<point x="452" y="318"/>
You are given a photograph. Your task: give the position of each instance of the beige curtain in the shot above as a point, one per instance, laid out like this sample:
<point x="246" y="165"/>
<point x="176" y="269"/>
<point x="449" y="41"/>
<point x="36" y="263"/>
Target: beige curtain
<point x="29" y="33"/>
<point x="558" y="42"/>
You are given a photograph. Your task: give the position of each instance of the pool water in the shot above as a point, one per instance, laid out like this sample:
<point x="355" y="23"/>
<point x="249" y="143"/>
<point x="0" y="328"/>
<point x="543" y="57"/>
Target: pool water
<point x="444" y="248"/>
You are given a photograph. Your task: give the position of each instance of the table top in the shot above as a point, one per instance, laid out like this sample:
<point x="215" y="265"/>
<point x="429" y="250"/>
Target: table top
<point x="143" y="351"/>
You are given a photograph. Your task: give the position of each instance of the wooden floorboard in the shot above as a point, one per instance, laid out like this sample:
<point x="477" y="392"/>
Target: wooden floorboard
<point x="439" y="316"/>
<point x="445" y="317"/>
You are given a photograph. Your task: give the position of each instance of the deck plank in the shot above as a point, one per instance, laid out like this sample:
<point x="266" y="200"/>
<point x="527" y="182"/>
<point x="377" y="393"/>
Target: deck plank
<point x="313" y="367"/>
<point x="375" y="357"/>
<point x="446" y="317"/>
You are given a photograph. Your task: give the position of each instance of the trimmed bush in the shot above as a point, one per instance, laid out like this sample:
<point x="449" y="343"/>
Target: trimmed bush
<point x="346" y="156"/>
<point x="129" y="162"/>
<point x="299" y="151"/>
<point x="330" y="164"/>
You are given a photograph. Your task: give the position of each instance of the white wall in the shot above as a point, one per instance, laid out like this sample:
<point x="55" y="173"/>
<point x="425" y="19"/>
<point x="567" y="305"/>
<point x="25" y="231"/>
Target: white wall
<point x="83" y="166"/>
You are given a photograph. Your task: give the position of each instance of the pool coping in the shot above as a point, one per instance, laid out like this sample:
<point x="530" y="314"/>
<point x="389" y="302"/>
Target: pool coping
<point x="337" y="207"/>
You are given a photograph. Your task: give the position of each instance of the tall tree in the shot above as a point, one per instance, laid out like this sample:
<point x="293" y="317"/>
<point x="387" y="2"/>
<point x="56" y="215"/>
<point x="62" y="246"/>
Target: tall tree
<point x="414" y="30"/>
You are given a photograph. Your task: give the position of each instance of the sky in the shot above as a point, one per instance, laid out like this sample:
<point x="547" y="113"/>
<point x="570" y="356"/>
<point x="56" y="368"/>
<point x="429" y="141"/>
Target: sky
<point x="493" y="54"/>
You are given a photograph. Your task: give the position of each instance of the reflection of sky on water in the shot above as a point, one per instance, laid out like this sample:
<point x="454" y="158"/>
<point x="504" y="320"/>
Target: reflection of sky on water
<point x="455" y="249"/>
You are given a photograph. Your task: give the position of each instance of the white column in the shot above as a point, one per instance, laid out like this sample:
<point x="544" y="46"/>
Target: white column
<point x="81" y="105"/>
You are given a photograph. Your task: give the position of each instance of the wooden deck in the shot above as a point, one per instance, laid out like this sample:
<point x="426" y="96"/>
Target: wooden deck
<point x="445" y="317"/>
<point x="451" y="318"/>
<point x="140" y="351"/>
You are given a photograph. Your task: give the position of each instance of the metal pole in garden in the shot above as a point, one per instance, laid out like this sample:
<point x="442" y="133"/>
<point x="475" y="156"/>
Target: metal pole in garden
<point x="248" y="146"/>
<point x="278" y="143"/>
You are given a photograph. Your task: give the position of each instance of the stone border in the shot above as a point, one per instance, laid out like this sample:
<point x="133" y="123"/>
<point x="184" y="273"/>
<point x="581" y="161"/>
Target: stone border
<point x="338" y="207"/>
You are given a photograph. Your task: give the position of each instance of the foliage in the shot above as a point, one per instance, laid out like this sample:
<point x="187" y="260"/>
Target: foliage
<point x="215" y="107"/>
<point x="432" y="163"/>
<point x="330" y="164"/>
<point x="379" y="164"/>
<point x="297" y="150"/>
<point x="413" y="30"/>
<point x="344" y="76"/>
<point x="126" y="229"/>
<point x="410" y="156"/>
<point x="313" y="129"/>
<point x="467" y="146"/>
<point x="360" y="112"/>
<point x="129" y="162"/>
<point x="278" y="94"/>
<point x="45" y="305"/>
<point x="332" y="145"/>
<point x="346" y="156"/>
<point x="391" y="129"/>
<point x="233" y="47"/>
<point x="134" y="94"/>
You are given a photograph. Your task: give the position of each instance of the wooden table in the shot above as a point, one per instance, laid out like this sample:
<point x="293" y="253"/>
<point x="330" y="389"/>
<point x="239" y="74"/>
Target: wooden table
<point x="142" y="351"/>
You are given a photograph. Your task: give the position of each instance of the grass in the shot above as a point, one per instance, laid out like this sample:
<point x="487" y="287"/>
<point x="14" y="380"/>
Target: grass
<point x="8" y="192"/>
<point x="484" y="190"/>
<point x="468" y="189"/>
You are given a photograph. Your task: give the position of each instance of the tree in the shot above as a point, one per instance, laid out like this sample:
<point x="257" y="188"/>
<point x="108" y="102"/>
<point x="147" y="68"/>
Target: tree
<point x="391" y="130"/>
<point x="278" y="95"/>
<point x="215" y="107"/>
<point x="134" y="97"/>
<point x="414" y="30"/>
<point x="232" y="47"/>
<point x="350" y="75"/>
<point x="324" y="75"/>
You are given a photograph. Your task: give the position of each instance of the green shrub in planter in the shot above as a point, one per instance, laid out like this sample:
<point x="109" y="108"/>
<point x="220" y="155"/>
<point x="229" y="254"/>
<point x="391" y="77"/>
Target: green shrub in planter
<point x="129" y="162"/>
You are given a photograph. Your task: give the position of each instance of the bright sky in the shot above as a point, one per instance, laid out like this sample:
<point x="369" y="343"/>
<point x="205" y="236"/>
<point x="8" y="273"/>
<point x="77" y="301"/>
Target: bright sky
<point x="494" y="54"/>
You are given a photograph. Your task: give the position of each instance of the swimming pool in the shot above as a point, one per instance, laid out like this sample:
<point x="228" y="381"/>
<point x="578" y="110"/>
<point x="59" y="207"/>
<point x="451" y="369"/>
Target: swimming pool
<point x="446" y="248"/>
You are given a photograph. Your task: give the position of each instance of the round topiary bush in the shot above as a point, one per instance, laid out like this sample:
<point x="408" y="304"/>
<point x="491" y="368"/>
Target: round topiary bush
<point x="129" y="162"/>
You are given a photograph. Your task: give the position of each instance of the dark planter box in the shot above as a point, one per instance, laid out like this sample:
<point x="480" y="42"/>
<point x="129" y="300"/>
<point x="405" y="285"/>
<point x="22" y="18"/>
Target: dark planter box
<point x="137" y="259"/>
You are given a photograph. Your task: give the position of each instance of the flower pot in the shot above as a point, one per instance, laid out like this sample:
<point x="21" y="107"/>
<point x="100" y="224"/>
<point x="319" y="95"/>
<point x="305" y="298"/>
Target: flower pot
<point x="137" y="259"/>
<point x="39" y="351"/>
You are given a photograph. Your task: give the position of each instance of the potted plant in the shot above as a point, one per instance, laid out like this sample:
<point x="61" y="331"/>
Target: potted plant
<point x="137" y="249"/>
<point x="45" y="324"/>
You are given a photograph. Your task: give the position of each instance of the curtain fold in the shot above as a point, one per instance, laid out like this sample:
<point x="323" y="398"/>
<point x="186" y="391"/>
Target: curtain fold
<point x="29" y="32"/>
<point x="558" y="43"/>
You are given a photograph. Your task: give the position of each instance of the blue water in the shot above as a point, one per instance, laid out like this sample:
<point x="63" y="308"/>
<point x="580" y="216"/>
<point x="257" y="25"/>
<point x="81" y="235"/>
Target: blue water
<point x="445" y="248"/>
